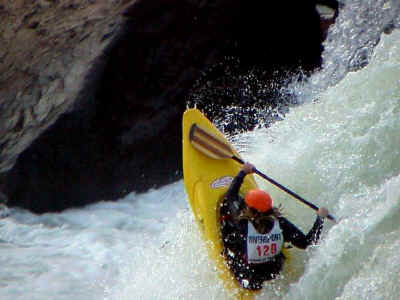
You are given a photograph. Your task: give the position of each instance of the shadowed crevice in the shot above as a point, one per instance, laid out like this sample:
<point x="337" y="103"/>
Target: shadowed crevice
<point x="124" y="133"/>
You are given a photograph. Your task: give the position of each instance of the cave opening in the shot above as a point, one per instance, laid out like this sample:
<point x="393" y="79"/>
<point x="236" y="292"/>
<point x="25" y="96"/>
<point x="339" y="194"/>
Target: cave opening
<point x="124" y="133"/>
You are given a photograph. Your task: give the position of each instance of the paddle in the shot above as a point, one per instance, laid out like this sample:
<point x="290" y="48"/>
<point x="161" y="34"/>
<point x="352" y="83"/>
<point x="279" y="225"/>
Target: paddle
<point x="216" y="148"/>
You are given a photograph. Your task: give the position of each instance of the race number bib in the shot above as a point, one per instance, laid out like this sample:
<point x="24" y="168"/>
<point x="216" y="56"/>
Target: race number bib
<point x="263" y="247"/>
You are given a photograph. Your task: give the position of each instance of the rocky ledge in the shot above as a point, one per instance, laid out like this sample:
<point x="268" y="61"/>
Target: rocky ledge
<point x="92" y="92"/>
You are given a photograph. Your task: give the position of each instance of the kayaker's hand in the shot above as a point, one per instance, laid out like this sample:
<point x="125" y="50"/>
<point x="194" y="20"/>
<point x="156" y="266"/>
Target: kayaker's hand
<point x="248" y="168"/>
<point x="323" y="212"/>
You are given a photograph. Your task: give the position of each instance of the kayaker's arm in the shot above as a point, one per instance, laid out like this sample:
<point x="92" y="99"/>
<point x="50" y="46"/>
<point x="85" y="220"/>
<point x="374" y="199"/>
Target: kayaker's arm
<point x="233" y="190"/>
<point x="296" y="237"/>
<point x="231" y="227"/>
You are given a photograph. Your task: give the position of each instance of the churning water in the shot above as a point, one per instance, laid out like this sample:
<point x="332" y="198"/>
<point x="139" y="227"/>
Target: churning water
<point x="339" y="149"/>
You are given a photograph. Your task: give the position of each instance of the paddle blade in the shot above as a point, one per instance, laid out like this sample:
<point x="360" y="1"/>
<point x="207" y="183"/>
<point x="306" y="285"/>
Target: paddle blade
<point x="209" y="144"/>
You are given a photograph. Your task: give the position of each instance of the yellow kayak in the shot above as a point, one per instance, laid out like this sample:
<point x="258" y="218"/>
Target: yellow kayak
<point x="206" y="181"/>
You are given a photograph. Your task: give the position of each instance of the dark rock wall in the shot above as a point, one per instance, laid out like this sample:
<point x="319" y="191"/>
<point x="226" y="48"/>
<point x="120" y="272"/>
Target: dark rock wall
<point x="46" y="50"/>
<point x="123" y="131"/>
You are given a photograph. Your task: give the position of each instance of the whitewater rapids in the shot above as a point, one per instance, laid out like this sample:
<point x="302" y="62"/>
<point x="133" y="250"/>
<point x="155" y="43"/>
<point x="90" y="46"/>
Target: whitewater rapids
<point x="340" y="150"/>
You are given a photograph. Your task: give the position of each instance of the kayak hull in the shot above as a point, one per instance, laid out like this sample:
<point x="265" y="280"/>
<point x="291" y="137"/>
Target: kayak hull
<point x="206" y="181"/>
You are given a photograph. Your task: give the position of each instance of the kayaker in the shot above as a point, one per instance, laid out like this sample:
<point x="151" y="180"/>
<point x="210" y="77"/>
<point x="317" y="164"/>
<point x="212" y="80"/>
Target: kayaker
<point x="254" y="232"/>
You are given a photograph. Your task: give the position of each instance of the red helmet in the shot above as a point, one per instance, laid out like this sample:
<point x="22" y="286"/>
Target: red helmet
<point x="259" y="200"/>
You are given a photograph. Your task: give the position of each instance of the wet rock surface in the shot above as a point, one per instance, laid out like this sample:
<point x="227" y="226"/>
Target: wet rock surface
<point x="92" y="92"/>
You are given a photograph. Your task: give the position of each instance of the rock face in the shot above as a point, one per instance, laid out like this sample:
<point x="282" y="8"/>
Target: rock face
<point x="92" y="92"/>
<point x="47" y="49"/>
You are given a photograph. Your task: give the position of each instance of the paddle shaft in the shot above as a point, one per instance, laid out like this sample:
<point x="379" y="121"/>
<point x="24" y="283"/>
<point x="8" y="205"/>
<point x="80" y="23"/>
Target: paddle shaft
<point x="217" y="148"/>
<point x="314" y="207"/>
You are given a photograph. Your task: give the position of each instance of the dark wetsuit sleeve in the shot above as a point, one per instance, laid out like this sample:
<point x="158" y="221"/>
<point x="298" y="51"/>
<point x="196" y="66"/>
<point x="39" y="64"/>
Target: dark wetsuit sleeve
<point x="296" y="237"/>
<point x="232" y="228"/>
<point x="233" y="190"/>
